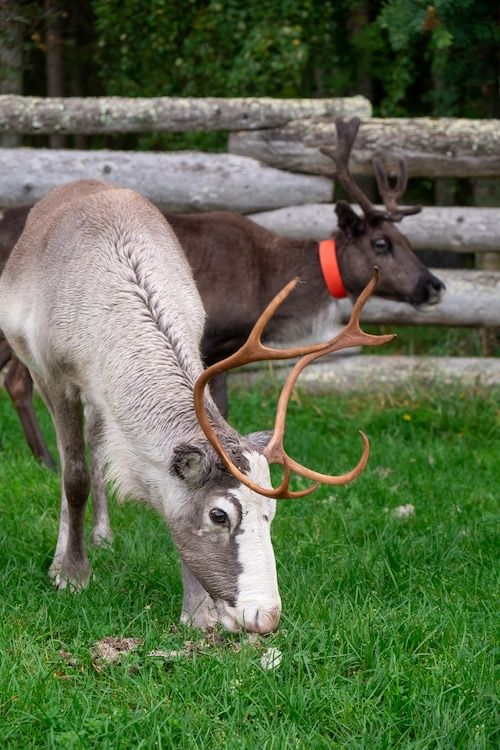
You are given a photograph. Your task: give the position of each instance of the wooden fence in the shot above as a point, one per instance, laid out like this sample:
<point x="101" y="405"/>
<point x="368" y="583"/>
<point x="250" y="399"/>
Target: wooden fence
<point x="274" y="172"/>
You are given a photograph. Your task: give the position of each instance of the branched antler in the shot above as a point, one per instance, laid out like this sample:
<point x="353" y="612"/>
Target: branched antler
<point x="389" y="195"/>
<point x="253" y="351"/>
<point x="346" y="135"/>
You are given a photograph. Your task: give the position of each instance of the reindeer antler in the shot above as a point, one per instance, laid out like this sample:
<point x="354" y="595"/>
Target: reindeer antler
<point x="346" y="135"/>
<point x="253" y="351"/>
<point x="389" y="195"/>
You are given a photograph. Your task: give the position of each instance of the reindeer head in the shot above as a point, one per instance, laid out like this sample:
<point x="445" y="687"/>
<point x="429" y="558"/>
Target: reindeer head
<point x="373" y="239"/>
<point x="224" y="535"/>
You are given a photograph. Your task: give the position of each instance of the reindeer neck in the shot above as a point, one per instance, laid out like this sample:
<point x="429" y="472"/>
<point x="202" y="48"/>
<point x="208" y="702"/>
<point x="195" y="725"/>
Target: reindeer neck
<point x="346" y="260"/>
<point x="320" y="266"/>
<point x="286" y="258"/>
<point x="282" y="260"/>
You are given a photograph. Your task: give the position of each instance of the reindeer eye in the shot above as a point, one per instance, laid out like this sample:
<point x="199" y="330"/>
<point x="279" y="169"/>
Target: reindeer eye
<point x="382" y="245"/>
<point x="218" y="516"/>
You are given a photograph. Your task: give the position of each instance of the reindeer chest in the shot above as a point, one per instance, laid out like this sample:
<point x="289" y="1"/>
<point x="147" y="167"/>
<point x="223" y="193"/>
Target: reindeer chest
<point x="316" y="321"/>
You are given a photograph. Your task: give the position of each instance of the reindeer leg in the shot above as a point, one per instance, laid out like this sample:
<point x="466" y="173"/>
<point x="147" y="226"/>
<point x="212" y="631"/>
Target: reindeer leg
<point x="19" y="386"/>
<point x="5" y="351"/>
<point x="101" y="527"/>
<point x="198" y="608"/>
<point x="5" y="355"/>
<point x="70" y="565"/>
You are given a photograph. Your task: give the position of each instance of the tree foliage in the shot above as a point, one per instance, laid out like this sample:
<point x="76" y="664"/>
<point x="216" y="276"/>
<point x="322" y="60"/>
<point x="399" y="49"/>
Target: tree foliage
<point x="219" y="47"/>
<point x="453" y="45"/>
<point x="409" y="56"/>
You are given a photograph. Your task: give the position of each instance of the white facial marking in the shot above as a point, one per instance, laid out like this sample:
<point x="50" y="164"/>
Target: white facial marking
<point x="259" y="605"/>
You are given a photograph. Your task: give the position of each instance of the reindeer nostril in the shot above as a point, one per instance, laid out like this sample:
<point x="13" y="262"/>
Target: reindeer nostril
<point x="433" y="283"/>
<point x="428" y="291"/>
<point x="433" y="290"/>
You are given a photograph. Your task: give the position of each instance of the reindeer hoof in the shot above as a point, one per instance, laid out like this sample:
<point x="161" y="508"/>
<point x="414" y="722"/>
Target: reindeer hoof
<point x="72" y="576"/>
<point x="101" y="536"/>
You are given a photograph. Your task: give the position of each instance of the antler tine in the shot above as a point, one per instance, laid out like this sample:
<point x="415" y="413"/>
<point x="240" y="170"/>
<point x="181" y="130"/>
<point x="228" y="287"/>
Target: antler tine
<point x="380" y="176"/>
<point x="401" y="185"/>
<point x="346" y="135"/>
<point x="389" y="195"/>
<point x="255" y="336"/>
<point x="402" y="180"/>
<point x="351" y="335"/>
<point x="330" y="479"/>
<point x="347" y="131"/>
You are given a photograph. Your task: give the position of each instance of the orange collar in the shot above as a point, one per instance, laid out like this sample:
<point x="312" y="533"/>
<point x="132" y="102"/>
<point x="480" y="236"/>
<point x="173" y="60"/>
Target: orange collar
<point x="330" y="269"/>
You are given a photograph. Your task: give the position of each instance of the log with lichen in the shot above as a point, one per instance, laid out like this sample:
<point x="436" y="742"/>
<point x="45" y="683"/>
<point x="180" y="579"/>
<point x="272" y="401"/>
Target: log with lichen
<point x="180" y="181"/>
<point x="114" y="114"/>
<point x="472" y="298"/>
<point x="431" y="147"/>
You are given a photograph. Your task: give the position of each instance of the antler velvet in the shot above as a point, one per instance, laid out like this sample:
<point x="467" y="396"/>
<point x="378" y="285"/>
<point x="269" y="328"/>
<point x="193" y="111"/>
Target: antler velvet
<point x="346" y="135"/>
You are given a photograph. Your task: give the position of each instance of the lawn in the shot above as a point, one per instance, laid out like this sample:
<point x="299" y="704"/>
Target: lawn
<point x="459" y="341"/>
<point x="387" y="634"/>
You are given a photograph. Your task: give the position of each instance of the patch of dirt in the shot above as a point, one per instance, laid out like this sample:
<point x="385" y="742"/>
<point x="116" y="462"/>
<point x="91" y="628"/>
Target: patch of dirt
<point x="111" y="649"/>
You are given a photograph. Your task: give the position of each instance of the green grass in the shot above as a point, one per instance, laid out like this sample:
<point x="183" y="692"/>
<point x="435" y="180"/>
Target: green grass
<point x="387" y="631"/>
<point x="461" y="341"/>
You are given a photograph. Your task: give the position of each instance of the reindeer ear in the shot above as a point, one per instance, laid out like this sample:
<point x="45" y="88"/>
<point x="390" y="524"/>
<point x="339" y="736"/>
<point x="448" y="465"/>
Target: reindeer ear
<point x="347" y="219"/>
<point x="191" y="464"/>
<point x="259" y="440"/>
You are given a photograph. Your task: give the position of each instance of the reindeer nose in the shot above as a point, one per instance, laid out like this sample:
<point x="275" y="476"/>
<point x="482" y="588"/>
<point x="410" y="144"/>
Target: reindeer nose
<point x="260" y="620"/>
<point x="434" y="287"/>
<point x="436" y="283"/>
<point x="428" y="290"/>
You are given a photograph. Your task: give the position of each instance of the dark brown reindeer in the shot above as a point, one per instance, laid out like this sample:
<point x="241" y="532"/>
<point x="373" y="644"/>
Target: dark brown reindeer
<point x="239" y="265"/>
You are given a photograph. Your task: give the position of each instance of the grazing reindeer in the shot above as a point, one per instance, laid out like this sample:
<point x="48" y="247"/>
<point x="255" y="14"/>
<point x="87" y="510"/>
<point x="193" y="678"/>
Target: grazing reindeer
<point x="98" y="300"/>
<point x="238" y="266"/>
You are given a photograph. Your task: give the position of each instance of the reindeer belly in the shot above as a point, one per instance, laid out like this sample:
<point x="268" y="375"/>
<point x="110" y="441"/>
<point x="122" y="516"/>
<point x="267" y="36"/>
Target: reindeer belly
<point x="16" y="318"/>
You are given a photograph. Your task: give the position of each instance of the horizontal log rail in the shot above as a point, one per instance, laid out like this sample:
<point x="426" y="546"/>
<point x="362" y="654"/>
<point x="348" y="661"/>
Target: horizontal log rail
<point x="461" y="230"/>
<point x="192" y="181"/>
<point x="431" y="147"/>
<point x="472" y="298"/>
<point x="177" y="181"/>
<point x="113" y="114"/>
<point x="369" y="373"/>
